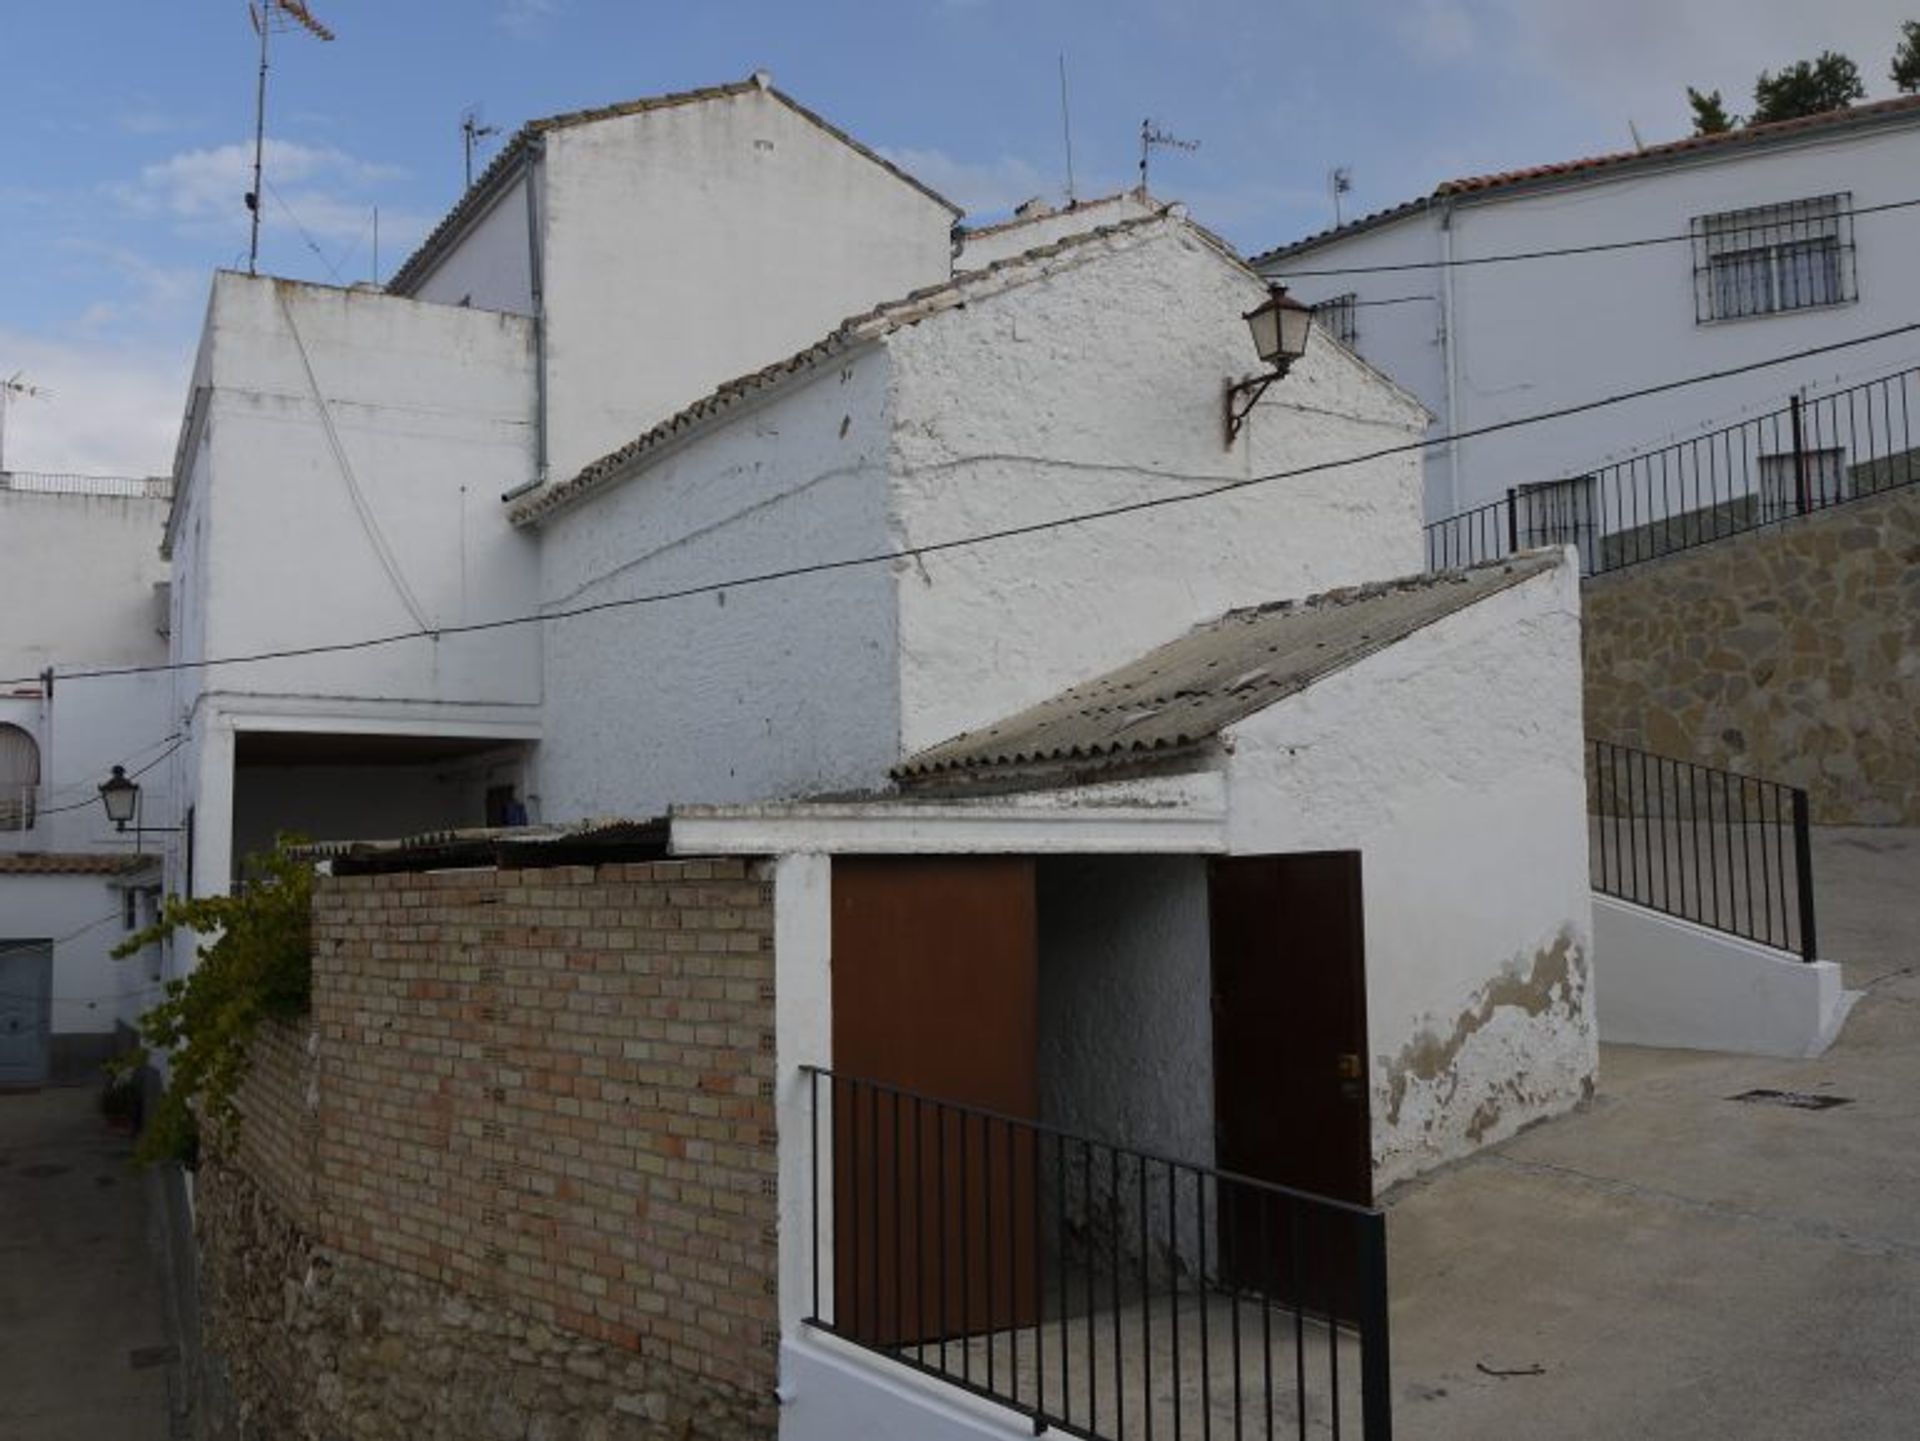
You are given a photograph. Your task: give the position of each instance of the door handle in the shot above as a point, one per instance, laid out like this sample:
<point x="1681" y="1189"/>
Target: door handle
<point x="1346" y="1065"/>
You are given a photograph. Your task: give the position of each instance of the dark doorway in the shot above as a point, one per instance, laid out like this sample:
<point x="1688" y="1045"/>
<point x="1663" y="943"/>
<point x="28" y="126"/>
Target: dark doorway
<point x="935" y="993"/>
<point x="1290" y="1065"/>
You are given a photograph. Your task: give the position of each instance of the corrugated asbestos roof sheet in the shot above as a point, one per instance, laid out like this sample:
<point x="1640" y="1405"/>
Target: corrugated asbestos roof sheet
<point x="1730" y="142"/>
<point x="480" y="193"/>
<point x="954" y="294"/>
<point x="71" y="863"/>
<point x="1189" y="690"/>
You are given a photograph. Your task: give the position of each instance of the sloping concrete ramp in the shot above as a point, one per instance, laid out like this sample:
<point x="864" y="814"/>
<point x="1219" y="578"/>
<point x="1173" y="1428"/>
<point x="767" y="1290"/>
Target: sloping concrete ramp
<point x="1662" y="981"/>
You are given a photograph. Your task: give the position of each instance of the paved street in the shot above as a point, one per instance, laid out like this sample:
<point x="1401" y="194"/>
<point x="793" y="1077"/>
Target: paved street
<point x="1672" y="1262"/>
<point x="83" y="1333"/>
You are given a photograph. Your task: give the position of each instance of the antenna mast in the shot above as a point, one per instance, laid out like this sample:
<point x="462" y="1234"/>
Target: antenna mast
<point x="269" y="16"/>
<point x="1066" y="126"/>
<point x="1339" y="182"/>
<point x="1153" y="138"/>
<point x="472" y="132"/>
<point x="14" y="385"/>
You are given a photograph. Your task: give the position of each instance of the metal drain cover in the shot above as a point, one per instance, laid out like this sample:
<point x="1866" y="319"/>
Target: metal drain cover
<point x="1796" y="1100"/>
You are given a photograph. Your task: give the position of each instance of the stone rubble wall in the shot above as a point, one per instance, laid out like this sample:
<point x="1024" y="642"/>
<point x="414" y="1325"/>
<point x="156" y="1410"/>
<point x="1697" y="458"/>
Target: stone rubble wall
<point x="1791" y="653"/>
<point x="516" y="1176"/>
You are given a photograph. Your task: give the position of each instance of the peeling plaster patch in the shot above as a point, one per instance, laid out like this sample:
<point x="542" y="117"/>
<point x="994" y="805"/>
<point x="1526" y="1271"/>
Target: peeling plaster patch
<point x="1556" y="977"/>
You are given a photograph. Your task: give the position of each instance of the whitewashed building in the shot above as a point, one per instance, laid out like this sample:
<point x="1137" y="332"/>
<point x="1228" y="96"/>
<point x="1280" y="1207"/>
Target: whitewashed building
<point x="1701" y="255"/>
<point x="605" y="510"/>
<point x="1028" y="805"/>
<point x="345" y="451"/>
<point x="83" y="590"/>
<point x="971" y="408"/>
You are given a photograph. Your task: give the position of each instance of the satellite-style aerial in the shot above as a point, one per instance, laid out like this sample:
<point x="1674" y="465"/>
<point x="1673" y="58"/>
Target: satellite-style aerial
<point x="1339" y="182"/>
<point x="1153" y="138"/>
<point x="472" y="131"/>
<point x="14" y="387"/>
<point x="269" y="18"/>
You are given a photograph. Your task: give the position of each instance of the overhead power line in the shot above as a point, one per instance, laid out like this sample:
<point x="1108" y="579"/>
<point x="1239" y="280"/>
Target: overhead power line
<point x="885" y="557"/>
<point x="1458" y="262"/>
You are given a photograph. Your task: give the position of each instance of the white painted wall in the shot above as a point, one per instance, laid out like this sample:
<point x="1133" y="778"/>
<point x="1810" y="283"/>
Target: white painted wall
<point x="82" y="915"/>
<point x="1539" y="335"/>
<point x="1667" y="982"/>
<point x="1453" y="762"/>
<point x="691" y="244"/>
<point x="764" y="691"/>
<point x="84" y="730"/>
<point x="981" y="248"/>
<point x="1099" y="385"/>
<point x="491" y="266"/>
<point x="431" y="406"/>
<point x="78" y="583"/>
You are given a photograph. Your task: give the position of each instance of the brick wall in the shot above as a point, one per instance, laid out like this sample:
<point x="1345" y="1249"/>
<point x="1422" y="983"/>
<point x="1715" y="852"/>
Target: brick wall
<point x="546" y="1096"/>
<point x="1791" y="653"/>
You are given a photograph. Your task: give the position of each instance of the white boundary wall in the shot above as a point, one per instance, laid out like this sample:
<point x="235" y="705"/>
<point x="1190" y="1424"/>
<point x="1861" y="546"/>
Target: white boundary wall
<point x="1663" y="981"/>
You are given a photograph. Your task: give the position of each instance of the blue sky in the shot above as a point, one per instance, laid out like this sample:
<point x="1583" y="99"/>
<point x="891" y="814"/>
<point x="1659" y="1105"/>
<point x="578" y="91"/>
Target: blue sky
<point x="129" y="128"/>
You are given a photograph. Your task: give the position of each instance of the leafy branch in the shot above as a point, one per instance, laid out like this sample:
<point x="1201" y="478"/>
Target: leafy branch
<point x="258" y="967"/>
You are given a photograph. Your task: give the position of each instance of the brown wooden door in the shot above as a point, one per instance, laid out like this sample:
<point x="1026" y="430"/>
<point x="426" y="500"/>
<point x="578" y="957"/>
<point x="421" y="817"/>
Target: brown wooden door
<point x="1289" y="1045"/>
<point x="935" y="992"/>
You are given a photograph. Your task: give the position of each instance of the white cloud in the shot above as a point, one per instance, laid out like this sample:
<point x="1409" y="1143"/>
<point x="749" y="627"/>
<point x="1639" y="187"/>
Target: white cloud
<point x="198" y="187"/>
<point x="111" y="408"/>
<point x="979" y="187"/>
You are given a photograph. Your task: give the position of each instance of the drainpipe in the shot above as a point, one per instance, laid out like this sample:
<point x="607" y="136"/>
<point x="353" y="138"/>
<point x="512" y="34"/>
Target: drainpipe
<point x="1449" y="351"/>
<point x="536" y="282"/>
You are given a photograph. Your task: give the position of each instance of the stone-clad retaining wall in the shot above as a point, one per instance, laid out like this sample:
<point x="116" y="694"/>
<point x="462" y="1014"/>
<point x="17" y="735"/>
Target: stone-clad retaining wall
<point x="516" y="1178"/>
<point x="1791" y="653"/>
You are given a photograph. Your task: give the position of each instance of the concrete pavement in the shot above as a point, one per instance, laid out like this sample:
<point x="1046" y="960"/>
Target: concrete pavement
<point x="84" y="1341"/>
<point x="1673" y="1262"/>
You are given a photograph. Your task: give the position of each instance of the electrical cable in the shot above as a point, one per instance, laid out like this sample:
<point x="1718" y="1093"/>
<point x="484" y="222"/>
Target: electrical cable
<point x="987" y="537"/>
<point x="81" y="805"/>
<point x="1597" y="247"/>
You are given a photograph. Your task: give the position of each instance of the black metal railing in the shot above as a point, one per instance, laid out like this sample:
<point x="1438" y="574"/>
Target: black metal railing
<point x="1102" y="1291"/>
<point x="1810" y="455"/>
<point x="1719" y="849"/>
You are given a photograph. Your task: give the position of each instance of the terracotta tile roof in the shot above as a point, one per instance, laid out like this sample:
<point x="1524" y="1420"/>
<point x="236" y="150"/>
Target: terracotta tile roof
<point x="506" y="164"/>
<point x="963" y="289"/>
<point x="71" y="863"/>
<point x="1731" y="142"/>
<point x="1181" y="695"/>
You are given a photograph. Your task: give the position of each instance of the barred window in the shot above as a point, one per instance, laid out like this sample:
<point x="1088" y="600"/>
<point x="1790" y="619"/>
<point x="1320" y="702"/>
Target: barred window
<point x="1338" y="317"/>
<point x="1771" y="258"/>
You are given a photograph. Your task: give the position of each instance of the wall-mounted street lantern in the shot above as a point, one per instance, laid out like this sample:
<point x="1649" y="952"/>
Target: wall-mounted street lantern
<point x="1280" y="326"/>
<point x="120" y="795"/>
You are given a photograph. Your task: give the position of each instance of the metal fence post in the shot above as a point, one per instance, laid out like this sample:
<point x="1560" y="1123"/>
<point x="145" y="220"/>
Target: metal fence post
<point x="1803" y="874"/>
<point x="1513" y="521"/>
<point x="1376" y="1369"/>
<point x="1800" y="485"/>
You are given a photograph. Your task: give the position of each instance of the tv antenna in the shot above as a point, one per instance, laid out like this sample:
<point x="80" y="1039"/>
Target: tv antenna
<point x="13" y="386"/>
<point x="1153" y="138"/>
<point x="1339" y="182"/>
<point x="1066" y="125"/>
<point x="472" y="132"/>
<point x="269" y="17"/>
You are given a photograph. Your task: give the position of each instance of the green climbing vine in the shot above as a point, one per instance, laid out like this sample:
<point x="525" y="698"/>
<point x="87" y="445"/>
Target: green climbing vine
<point x="257" y="967"/>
